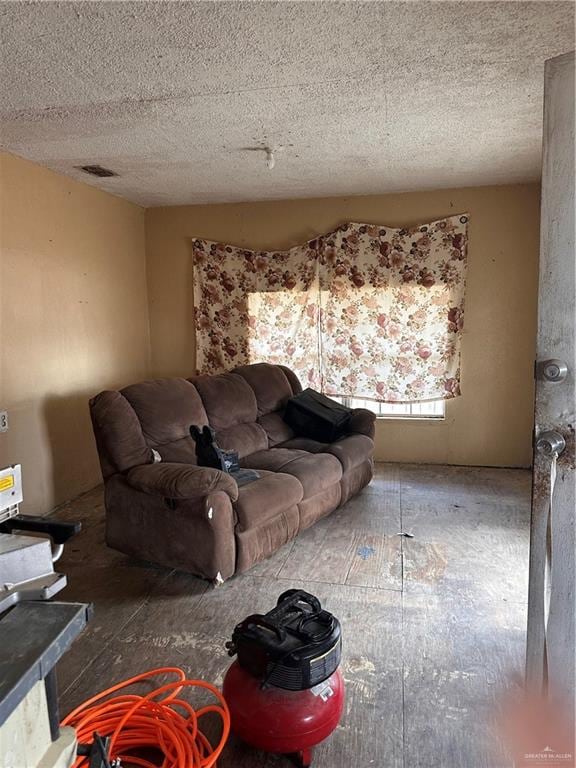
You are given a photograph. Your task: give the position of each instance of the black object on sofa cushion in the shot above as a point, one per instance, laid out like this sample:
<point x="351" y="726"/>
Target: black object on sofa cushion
<point x="312" y="414"/>
<point x="209" y="454"/>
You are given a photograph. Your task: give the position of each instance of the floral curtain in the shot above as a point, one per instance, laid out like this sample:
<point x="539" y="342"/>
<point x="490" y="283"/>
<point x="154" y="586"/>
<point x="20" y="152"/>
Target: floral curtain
<point x="365" y="311"/>
<point x="256" y="306"/>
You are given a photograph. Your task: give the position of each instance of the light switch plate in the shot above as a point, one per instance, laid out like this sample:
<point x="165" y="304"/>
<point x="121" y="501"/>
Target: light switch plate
<point x="3" y="421"/>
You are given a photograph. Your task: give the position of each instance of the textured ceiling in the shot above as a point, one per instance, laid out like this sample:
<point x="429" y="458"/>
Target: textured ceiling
<point x="363" y="97"/>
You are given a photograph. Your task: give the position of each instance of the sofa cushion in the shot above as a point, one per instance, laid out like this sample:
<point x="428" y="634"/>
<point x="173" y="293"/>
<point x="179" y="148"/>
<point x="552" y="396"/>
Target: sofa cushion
<point x="166" y="408"/>
<point x="304" y="444"/>
<point x="244" y="438"/>
<point x="228" y="400"/>
<point x="270" y="385"/>
<point x="315" y="472"/>
<point x="350" y="451"/>
<point x="276" y="428"/>
<point x="292" y="378"/>
<point x="265" y="498"/>
<point x="232" y="411"/>
<point x="272" y="459"/>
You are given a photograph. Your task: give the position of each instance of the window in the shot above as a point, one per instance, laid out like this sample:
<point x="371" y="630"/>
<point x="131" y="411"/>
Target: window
<point x="433" y="409"/>
<point x="364" y="309"/>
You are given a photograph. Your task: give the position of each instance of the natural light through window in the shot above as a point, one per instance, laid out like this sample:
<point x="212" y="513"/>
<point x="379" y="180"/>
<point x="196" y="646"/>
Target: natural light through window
<point x="433" y="409"/>
<point x="285" y="326"/>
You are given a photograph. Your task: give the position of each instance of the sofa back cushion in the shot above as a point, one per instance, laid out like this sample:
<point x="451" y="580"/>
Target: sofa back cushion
<point x="232" y="411"/>
<point x="119" y="439"/>
<point x="244" y="407"/>
<point x="292" y="379"/>
<point x="227" y="399"/>
<point x="244" y="438"/>
<point x="273" y="385"/>
<point x="270" y="385"/>
<point x="276" y="428"/>
<point x="166" y="408"/>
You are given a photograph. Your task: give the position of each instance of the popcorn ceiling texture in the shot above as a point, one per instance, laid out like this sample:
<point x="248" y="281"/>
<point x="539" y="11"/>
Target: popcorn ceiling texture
<point x="364" y="97"/>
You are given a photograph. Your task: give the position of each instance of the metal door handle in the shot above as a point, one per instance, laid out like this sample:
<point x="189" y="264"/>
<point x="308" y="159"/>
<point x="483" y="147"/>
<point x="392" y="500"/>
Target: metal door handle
<point x="550" y="442"/>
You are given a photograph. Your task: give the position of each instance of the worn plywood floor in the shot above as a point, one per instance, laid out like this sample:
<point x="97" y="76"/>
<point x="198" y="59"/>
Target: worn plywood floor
<point x="434" y="626"/>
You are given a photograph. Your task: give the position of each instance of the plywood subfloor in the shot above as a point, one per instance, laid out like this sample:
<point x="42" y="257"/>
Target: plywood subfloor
<point x="434" y="625"/>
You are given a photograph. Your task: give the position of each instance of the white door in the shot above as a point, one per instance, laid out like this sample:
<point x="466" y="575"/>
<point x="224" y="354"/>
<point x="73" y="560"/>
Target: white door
<point x="551" y="608"/>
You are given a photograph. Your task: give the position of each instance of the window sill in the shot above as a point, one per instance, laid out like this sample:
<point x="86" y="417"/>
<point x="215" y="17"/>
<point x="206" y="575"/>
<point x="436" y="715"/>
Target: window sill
<point x="419" y="419"/>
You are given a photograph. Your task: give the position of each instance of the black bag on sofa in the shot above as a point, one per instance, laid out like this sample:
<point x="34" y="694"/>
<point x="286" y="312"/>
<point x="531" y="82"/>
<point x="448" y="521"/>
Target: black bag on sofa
<point x="312" y="414"/>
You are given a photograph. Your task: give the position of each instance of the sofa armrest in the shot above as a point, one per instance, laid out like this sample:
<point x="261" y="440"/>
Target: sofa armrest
<point x="181" y="481"/>
<point x="362" y="422"/>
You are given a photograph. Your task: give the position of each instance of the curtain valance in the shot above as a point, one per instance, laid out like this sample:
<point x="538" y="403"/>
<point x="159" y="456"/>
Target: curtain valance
<point x="365" y="311"/>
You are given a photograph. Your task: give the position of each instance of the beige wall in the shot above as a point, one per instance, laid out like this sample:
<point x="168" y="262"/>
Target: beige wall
<point x="73" y="320"/>
<point x="74" y="313"/>
<point x="490" y="424"/>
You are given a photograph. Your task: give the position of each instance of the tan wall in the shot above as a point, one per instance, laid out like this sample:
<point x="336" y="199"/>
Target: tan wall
<point x="74" y="315"/>
<point x="73" y="320"/>
<point x="490" y="424"/>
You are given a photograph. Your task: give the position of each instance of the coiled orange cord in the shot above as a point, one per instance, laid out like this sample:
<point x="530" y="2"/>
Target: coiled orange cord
<point x="136" y="722"/>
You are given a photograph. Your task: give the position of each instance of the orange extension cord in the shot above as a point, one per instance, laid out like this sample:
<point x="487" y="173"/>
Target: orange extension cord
<point x="136" y="722"/>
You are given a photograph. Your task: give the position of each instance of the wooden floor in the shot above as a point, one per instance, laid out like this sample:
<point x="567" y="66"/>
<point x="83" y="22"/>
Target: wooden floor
<point x="434" y="626"/>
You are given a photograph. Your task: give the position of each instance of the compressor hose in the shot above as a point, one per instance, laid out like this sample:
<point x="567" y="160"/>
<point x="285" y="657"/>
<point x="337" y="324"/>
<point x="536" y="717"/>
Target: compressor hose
<point x="160" y="722"/>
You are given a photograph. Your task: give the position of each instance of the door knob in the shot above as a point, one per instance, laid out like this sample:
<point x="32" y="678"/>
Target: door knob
<point x="550" y="442"/>
<point x="553" y="369"/>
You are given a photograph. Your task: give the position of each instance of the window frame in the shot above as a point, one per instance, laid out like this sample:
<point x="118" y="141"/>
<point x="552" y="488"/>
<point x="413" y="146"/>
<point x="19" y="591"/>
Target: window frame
<point x="376" y="406"/>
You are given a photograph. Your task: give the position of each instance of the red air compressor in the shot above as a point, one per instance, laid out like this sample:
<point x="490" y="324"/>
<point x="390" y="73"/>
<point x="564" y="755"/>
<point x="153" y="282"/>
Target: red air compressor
<point x="285" y="692"/>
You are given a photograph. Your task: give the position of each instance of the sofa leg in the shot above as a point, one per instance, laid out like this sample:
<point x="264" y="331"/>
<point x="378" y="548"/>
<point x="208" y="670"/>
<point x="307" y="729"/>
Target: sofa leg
<point x="218" y="581"/>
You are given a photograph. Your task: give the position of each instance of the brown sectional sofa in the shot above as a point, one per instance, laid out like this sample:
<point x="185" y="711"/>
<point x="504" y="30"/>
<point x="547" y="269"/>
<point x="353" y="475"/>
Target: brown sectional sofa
<point x="197" y="519"/>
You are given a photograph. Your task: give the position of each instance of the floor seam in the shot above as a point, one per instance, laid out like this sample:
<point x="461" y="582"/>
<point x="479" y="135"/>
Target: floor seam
<point x="354" y="540"/>
<point x="329" y="583"/>
<point x="114" y="636"/>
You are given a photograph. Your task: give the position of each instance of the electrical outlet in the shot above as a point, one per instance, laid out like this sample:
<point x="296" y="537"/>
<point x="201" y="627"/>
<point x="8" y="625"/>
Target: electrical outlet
<point x="3" y="421"/>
